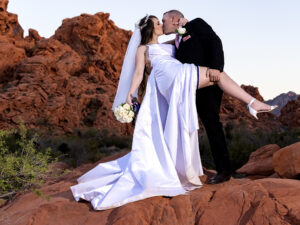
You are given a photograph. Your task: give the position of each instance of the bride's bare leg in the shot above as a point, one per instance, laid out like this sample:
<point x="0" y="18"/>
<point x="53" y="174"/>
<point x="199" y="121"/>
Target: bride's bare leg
<point x="231" y="88"/>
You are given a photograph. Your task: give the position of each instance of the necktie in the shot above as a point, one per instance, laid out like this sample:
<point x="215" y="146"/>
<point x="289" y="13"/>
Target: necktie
<point x="177" y="40"/>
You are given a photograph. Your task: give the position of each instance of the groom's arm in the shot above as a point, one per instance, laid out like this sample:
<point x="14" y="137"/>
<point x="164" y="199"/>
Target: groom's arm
<point x="213" y="42"/>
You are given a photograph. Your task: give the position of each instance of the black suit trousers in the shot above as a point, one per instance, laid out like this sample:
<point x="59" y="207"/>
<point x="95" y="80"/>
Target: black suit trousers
<point x="208" y="101"/>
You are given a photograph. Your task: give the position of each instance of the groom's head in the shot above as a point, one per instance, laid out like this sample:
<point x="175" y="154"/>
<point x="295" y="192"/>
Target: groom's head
<point x="170" y="21"/>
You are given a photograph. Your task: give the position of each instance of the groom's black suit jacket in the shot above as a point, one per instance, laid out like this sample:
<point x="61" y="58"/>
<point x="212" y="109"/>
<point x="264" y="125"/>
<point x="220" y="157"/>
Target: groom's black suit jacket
<point x="204" y="48"/>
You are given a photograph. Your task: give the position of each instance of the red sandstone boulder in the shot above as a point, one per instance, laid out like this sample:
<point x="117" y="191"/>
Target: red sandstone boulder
<point x="260" y="161"/>
<point x="286" y="161"/>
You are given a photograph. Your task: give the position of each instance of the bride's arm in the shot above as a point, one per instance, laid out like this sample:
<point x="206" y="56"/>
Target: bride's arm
<point x="138" y="73"/>
<point x="172" y="42"/>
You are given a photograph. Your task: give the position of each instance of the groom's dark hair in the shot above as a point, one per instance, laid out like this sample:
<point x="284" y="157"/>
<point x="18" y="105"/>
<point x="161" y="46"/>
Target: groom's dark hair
<point x="175" y="13"/>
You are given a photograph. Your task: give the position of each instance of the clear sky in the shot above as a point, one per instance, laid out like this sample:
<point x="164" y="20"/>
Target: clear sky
<point x="261" y="38"/>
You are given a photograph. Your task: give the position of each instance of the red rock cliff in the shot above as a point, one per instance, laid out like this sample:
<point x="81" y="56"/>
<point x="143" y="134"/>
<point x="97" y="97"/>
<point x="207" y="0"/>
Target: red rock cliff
<point x="69" y="80"/>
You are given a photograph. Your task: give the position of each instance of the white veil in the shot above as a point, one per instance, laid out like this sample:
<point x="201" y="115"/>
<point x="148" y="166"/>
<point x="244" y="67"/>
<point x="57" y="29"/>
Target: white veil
<point x="128" y="68"/>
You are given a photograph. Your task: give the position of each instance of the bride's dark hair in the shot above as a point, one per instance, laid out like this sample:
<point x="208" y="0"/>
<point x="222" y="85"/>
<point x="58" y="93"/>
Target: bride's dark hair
<point x="147" y="30"/>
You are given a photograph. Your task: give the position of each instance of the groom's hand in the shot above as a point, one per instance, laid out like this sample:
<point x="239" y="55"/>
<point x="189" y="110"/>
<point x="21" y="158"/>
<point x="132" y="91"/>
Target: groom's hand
<point x="214" y="75"/>
<point x="182" y="22"/>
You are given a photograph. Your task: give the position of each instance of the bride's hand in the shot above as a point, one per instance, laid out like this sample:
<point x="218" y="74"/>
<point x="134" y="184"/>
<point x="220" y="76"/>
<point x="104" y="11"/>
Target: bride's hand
<point x="129" y="100"/>
<point x="182" y="22"/>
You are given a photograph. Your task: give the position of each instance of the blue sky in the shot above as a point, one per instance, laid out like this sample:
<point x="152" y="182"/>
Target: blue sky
<point x="261" y="39"/>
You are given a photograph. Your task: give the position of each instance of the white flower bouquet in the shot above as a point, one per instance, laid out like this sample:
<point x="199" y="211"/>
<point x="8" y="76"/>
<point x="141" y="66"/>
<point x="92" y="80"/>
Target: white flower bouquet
<point x="124" y="113"/>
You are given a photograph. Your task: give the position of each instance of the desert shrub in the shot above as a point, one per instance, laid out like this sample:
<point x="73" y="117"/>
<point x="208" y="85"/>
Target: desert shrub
<point x="86" y="145"/>
<point x="241" y="141"/>
<point x="22" y="164"/>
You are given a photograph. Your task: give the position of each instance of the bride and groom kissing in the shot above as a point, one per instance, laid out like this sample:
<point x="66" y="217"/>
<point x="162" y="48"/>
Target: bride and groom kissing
<point x="186" y="80"/>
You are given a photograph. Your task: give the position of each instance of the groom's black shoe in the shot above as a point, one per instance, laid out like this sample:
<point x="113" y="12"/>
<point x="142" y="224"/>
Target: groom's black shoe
<point x="219" y="178"/>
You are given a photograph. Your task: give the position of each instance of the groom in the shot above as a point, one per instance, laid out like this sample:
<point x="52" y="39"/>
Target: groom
<point x="200" y="45"/>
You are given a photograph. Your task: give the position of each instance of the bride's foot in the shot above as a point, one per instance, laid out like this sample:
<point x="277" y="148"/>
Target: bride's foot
<point x="258" y="107"/>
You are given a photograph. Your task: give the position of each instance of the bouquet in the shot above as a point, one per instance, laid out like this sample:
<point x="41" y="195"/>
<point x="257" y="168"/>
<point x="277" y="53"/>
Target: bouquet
<point x="126" y="114"/>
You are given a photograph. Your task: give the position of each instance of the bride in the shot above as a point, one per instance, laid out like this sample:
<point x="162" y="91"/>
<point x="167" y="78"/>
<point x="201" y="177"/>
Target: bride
<point x="164" y="159"/>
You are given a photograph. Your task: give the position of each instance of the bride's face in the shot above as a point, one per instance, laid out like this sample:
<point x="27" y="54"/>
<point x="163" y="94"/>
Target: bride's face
<point x="158" y="30"/>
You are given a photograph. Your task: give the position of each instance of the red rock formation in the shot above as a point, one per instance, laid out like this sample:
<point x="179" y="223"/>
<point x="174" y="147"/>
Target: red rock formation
<point x="9" y="25"/>
<point x="12" y="45"/>
<point x="286" y="161"/>
<point x="239" y="201"/>
<point x="10" y="57"/>
<point x="33" y="35"/>
<point x="290" y="114"/>
<point x="260" y="161"/>
<point x="99" y="42"/>
<point x="3" y="5"/>
<point x="69" y="80"/>
<point x="64" y="82"/>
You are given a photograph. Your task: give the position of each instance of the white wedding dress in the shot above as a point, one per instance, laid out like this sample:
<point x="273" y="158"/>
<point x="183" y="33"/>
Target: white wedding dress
<point x="164" y="159"/>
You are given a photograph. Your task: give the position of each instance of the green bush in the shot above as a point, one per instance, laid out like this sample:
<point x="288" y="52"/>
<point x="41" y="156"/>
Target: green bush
<point x="21" y="163"/>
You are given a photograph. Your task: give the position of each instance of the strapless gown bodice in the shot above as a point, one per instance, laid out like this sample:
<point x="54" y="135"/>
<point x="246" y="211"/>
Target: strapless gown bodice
<point x="159" y="53"/>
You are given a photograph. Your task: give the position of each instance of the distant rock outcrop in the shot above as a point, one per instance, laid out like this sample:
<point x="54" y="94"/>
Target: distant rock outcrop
<point x="281" y="100"/>
<point x="290" y="114"/>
